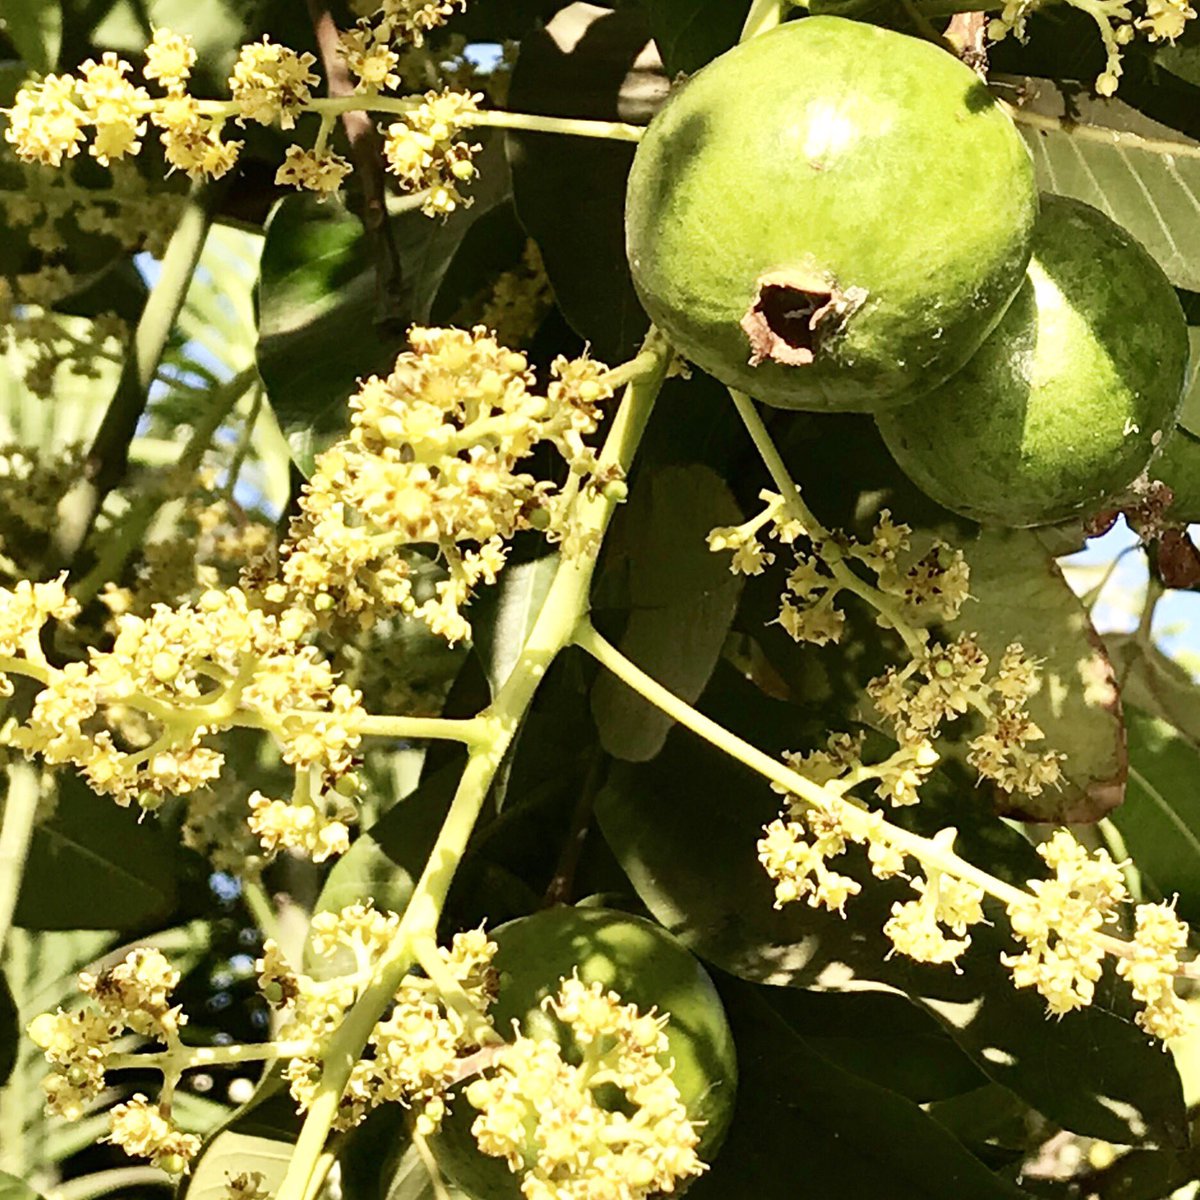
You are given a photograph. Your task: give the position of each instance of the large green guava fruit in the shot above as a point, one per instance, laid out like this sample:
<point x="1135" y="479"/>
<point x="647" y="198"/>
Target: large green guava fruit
<point x="830" y="216"/>
<point x="1066" y="403"/>
<point x="646" y="966"/>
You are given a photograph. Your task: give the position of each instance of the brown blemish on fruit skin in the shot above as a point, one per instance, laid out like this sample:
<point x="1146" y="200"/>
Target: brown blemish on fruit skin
<point x="792" y="314"/>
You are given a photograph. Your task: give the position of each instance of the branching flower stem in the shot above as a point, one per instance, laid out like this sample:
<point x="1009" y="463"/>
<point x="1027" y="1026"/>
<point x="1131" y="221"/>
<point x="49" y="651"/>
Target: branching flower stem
<point x="565" y="607"/>
<point x="133" y="525"/>
<point x="933" y="854"/>
<point x="830" y="552"/>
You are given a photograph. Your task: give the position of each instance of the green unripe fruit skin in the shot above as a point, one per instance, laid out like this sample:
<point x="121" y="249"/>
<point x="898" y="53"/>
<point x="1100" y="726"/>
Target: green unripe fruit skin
<point x="1066" y="403"/>
<point x="1178" y="466"/>
<point x="864" y="179"/>
<point x="646" y="966"/>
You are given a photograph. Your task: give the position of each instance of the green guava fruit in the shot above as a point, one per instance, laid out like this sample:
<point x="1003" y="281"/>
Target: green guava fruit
<point x="646" y="966"/>
<point x="1178" y="466"/>
<point x="830" y="216"/>
<point x="1066" y="403"/>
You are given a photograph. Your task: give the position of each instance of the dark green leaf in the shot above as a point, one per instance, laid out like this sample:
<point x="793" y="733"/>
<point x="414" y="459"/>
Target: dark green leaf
<point x="1142" y="1175"/>
<point x="1160" y="819"/>
<point x="881" y="1037"/>
<point x="503" y="616"/>
<point x="10" y="1033"/>
<point x="385" y="861"/>
<point x="35" y="29"/>
<point x="690" y="32"/>
<point x="93" y="865"/>
<point x="684" y="828"/>
<point x="681" y="599"/>
<point x="570" y="192"/>
<point x="321" y="327"/>
<point x="804" y="1126"/>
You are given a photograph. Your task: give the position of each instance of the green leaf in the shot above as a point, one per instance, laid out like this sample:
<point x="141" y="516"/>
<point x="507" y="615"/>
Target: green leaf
<point x="411" y="1181"/>
<point x="322" y="324"/>
<point x="587" y="62"/>
<point x="1019" y="595"/>
<point x="681" y="599"/>
<point x="1151" y="681"/>
<point x="1160" y="819"/>
<point x="805" y="1126"/>
<point x="1143" y="175"/>
<point x="10" y="1033"/>
<point x="12" y="1188"/>
<point x="93" y="865"/>
<point x="385" y="861"/>
<point x="260" y="1137"/>
<point x="35" y="29"/>
<point x="684" y="829"/>
<point x="881" y="1037"/>
<point x="690" y="32"/>
<point x="503" y="616"/>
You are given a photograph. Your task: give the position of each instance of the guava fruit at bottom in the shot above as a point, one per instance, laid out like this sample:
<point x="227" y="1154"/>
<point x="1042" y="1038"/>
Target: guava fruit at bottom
<point x="830" y="216"/>
<point x="646" y="966"/>
<point x="1066" y="403"/>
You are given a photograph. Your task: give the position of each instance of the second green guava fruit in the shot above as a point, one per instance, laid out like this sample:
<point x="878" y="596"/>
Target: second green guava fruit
<point x="1066" y="403"/>
<point x="830" y="216"/>
<point x="646" y="966"/>
<point x="1178" y="466"/>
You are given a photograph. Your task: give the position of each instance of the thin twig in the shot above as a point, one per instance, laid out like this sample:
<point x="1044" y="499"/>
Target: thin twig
<point x="366" y="149"/>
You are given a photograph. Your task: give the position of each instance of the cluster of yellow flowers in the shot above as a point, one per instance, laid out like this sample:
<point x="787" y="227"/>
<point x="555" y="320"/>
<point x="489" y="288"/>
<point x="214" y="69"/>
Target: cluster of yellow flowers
<point x="1164" y="20"/>
<point x="270" y="84"/>
<point x="43" y="341"/>
<point x="1061" y="920"/>
<point x="518" y="300"/>
<point x="127" y="209"/>
<point x="553" y="1122"/>
<point x="950" y="680"/>
<point x="409" y="20"/>
<point x="1062" y="923"/>
<point x="934" y="587"/>
<point x="209" y="544"/>
<point x="416" y="1049"/>
<point x="421" y="150"/>
<point x="32" y="483"/>
<point x="131" y="997"/>
<point x="433" y="457"/>
<point x="173" y="679"/>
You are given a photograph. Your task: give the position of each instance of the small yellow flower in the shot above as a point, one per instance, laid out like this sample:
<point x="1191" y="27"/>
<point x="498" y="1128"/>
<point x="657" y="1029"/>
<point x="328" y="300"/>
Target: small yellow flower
<point x="271" y="83"/>
<point x="169" y="60"/>
<point x="45" y="124"/>
<point x="321" y="173"/>
<point x="422" y="153"/>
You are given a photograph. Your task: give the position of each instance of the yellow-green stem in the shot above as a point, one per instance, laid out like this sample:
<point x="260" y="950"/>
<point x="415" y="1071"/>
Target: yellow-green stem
<point x="830" y="553"/>
<point x="131" y="531"/>
<point x="16" y="833"/>
<point x="763" y="16"/>
<point x="565" y="606"/>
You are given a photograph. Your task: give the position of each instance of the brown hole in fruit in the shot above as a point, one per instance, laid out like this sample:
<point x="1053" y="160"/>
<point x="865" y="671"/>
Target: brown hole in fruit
<point x="783" y="324"/>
